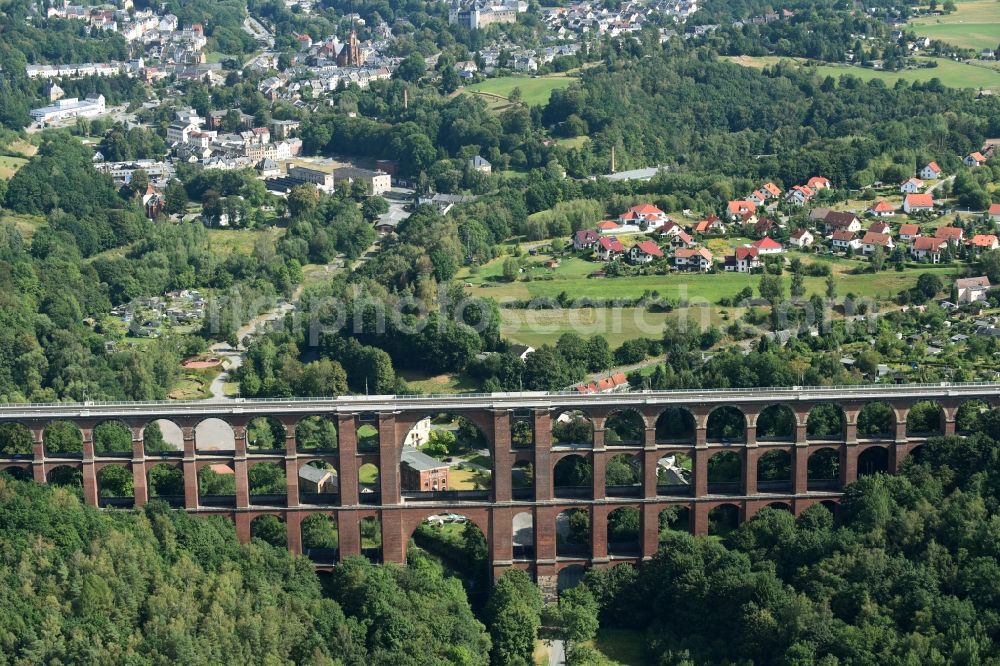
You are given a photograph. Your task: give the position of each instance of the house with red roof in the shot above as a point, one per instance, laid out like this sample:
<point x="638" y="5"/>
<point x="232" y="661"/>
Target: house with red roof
<point x="683" y="239"/>
<point x="772" y="189"/>
<point x="818" y="183"/>
<point x="954" y="234"/>
<point x="801" y="238"/>
<point x="994" y="212"/>
<point x="669" y="229"/>
<point x="844" y="240"/>
<point x="879" y="227"/>
<point x="873" y="239"/>
<point x="907" y="232"/>
<point x="881" y="209"/>
<point x="584" y="239"/>
<point x="911" y="186"/>
<point x="737" y="209"/>
<point x="710" y="225"/>
<point x="925" y="247"/>
<point x="976" y="159"/>
<point x="836" y="220"/>
<point x="764" y="226"/>
<point x="644" y="216"/>
<point x="930" y="171"/>
<point x="693" y="259"/>
<point x="758" y="197"/>
<point x="983" y="242"/>
<point x="744" y="259"/>
<point x="644" y="252"/>
<point x="608" y="227"/>
<point x="918" y="203"/>
<point x="609" y="248"/>
<point x="767" y="246"/>
<point x="800" y="194"/>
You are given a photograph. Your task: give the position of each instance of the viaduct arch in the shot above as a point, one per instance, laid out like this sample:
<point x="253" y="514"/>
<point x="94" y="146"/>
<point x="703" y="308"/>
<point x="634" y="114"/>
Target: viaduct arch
<point x="818" y="450"/>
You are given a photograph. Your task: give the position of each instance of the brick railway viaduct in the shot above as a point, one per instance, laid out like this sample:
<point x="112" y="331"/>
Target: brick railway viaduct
<point x="540" y="502"/>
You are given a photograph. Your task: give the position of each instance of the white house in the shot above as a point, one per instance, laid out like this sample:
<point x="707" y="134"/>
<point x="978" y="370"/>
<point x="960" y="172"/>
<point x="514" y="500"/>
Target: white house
<point x="873" y="240"/>
<point x="972" y="289"/>
<point x="975" y="159"/>
<point x="925" y="247"/>
<point x="693" y="259"/>
<point x="801" y="238"/>
<point x="644" y="252"/>
<point x="844" y="240"/>
<point x="930" y="171"/>
<point x="911" y="186"/>
<point x="917" y="203"/>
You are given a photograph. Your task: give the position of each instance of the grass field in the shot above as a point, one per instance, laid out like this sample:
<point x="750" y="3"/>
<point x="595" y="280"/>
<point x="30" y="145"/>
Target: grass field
<point x="26" y="224"/>
<point x="535" y="91"/>
<point x="620" y="647"/>
<point x="9" y="165"/>
<point x="227" y="241"/>
<point x="975" y="25"/>
<point x="951" y="73"/>
<point x="438" y="383"/>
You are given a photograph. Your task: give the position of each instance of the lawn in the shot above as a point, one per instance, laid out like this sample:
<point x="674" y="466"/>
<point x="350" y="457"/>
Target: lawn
<point x="975" y="25"/>
<point x="951" y="73"/>
<point x="225" y="242"/>
<point x="535" y="91"/>
<point x="9" y="166"/>
<point x="426" y="383"/>
<point x="620" y="647"/>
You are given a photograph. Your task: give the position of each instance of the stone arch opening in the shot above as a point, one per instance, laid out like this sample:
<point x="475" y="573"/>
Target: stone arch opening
<point x="569" y="577"/>
<point x="522" y="480"/>
<point x="267" y="484"/>
<point x="925" y="418"/>
<point x="876" y="420"/>
<point x="825" y="422"/>
<point x="873" y="460"/>
<point x="62" y="439"/>
<point x="572" y="428"/>
<point x="369" y="491"/>
<point x="916" y="454"/>
<point x="115" y="486"/>
<point x="213" y="435"/>
<point x="776" y="423"/>
<point x="371" y="539"/>
<point x="673" y="519"/>
<point x="573" y="534"/>
<point x="831" y="506"/>
<point x="726" y="424"/>
<point x="112" y="438"/>
<point x="367" y="432"/>
<point x="724" y="471"/>
<point x="967" y="415"/>
<point x="624" y="532"/>
<point x="675" y="425"/>
<point x="523" y="535"/>
<point x="460" y="544"/>
<point x="265" y="434"/>
<point x="723" y="519"/>
<point x="573" y="476"/>
<point x="319" y="482"/>
<point x="445" y="455"/>
<point x="269" y="529"/>
<point x="16" y="441"/>
<point x="166" y="483"/>
<point x="823" y="469"/>
<point x="624" y="427"/>
<point x="17" y="472"/>
<point x="217" y="485"/>
<point x="163" y="437"/>
<point x="66" y="476"/>
<point x="316" y="433"/>
<point x="623" y="476"/>
<point x="522" y="429"/>
<point x="673" y="474"/>
<point x="320" y="538"/>
<point x="774" y="471"/>
<point x="779" y="506"/>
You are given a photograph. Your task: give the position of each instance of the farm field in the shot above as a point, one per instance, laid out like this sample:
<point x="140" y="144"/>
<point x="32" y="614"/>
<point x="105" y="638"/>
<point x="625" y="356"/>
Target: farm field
<point x="975" y="25"/>
<point x="954" y="74"/>
<point x="535" y="91"/>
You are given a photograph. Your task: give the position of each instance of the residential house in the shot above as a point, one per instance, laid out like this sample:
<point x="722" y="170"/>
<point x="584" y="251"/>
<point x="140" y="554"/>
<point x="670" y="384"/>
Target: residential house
<point x="710" y="225"/>
<point x="907" y="232"/>
<point x="930" y="171"/>
<point x="644" y="216"/>
<point x="918" y="203"/>
<point x="670" y="229"/>
<point x="609" y="248"/>
<point x="764" y="226"/>
<point x="693" y="259"/>
<point x="817" y="183"/>
<point x="480" y="164"/>
<point x="975" y="159"/>
<point x="994" y="212"/>
<point x="772" y="190"/>
<point x="744" y="260"/>
<point x="972" y="289"/>
<point x="982" y="242"/>
<point x="819" y="214"/>
<point x="873" y="240"/>
<point x="608" y="227"/>
<point x="683" y="239"/>
<point x="419" y="472"/>
<point x="584" y="239"/>
<point x="801" y="238"/>
<point x="839" y="221"/>
<point x="880" y="227"/>
<point x="736" y="209"/>
<point x="758" y="197"/>
<point x="800" y="194"/>
<point x="767" y="246"/>
<point x="644" y="252"/>
<point x="925" y="247"/>
<point x="911" y="186"/>
<point x="953" y="234"/>
<point x="844" y="240"/>
<point x="881" y="209"/>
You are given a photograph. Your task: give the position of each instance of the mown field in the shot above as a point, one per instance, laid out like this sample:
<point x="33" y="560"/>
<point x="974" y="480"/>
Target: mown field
<point x="951" y="73"/>
<point x="975" y="25"/>
<point x="535" y="91"/>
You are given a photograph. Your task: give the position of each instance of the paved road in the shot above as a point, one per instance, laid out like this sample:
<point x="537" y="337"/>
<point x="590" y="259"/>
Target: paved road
<point x="557" y="653"/>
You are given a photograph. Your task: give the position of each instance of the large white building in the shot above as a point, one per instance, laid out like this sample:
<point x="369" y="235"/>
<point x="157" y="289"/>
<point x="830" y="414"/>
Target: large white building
<point x="71" y="107"/>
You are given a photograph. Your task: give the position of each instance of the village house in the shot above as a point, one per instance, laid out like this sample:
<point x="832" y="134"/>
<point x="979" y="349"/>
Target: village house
<point x="710" y="225"/>
<point x="759" y="197"/>
<point x="844" y="240"/>
<point x="983" y="242"/>
<point x="817" y="183"/>
<point x="669" y="230"/>
<point x="644" y="252"/>
<point x="925" y="247"/>
<point x="736" y="209"/>
<point x="800" y="194"/>
<point x="480" y="164"/>
<point x="683" y="240"/>
<point x="930" y="171"/>
<point x="768" y="246"/>
<point x="584" y="239"/>
<point x="994" y="212"/>
<point x="838" y="221"/>
<point x="874" y="240"/>
<point x="608" y="227"/>
<point x="975" y="159"/>
<point x="693" y="259"/>
<point x="908" y="231"/>
<point x="918" y="203"/>
<point x="972" y="289"/>
<point x="745" y="259"/>
<point x="879" y="227"/>
<point x="953" y="234"/>
<point x="645" y="216"/>
<point x="609" y="248"/>
<point x="911" y="186"/>
<point x="772" y="190"/>
<point x="881" y="209"/>
<point x="801" y="238"/>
